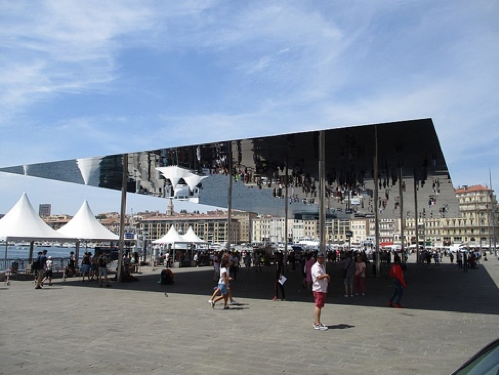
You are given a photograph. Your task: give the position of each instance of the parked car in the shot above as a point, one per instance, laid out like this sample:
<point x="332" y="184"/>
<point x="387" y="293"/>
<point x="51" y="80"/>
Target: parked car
<point x="485" y="362"/>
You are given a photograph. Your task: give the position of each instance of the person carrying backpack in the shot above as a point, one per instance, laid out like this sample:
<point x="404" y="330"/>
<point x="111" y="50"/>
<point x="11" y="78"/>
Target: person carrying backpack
<point x="35" y="266"/>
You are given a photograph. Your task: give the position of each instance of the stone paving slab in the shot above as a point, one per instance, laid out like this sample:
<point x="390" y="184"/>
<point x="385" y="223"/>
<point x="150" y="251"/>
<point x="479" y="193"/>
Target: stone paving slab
<point x="133" y="328"/>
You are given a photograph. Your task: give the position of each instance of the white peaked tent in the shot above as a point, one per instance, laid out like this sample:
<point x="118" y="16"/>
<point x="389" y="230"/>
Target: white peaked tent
<point x="84" y="226"/>
<point x="23" y="223"/>
<point x="191" y="237"/>
<point x="171" y="237"/>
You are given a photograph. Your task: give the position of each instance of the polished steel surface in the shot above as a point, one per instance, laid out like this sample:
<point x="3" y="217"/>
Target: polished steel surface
<point x="199" y="173"/>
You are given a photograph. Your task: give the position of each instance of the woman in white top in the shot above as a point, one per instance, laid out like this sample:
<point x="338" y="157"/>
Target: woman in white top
<point x="49" y="265"/>
<point x="223" y="285"/>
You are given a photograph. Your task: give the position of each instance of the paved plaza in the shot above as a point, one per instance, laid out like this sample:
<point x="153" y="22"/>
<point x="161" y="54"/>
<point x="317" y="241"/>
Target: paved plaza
<point x="133" y="328"/>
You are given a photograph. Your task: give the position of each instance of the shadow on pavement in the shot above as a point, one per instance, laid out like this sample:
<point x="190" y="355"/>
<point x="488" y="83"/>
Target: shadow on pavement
<point x="340" y="326"/>
<point x="445" y="288"/>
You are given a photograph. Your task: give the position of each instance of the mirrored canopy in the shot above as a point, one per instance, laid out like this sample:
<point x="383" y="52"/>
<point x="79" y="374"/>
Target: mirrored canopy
<point x="407" y="152"/>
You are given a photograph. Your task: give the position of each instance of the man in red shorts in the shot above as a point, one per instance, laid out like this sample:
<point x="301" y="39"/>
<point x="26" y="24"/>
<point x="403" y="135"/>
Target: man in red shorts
<point x="320" y="280"/>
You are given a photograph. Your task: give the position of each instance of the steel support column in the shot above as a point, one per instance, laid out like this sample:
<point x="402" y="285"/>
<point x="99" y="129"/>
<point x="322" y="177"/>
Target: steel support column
<point x="229" y="202"/>
<point x="376" y="193"/>
<point x="122" y="216"/>
<point x="322" y="191"/>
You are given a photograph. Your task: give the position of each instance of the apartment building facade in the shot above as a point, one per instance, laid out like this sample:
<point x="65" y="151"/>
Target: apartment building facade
<point x="477" y="224"/>
<point x="212" y="228"/>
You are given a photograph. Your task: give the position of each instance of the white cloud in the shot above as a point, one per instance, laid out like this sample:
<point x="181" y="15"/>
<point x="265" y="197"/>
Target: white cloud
<point x="84" y="78"/>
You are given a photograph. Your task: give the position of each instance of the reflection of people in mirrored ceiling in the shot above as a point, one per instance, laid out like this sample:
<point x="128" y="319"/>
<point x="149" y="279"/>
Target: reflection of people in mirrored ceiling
<point x="275" y="173"/>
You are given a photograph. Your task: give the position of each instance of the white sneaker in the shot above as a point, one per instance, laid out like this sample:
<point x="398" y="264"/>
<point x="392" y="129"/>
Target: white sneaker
<point x="234" y="302"/>
<point x="346" y="295"/>
<point x="320" y="327"/>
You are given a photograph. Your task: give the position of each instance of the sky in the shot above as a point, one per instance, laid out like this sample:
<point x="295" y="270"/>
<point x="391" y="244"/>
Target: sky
<point x="101" y="77"/>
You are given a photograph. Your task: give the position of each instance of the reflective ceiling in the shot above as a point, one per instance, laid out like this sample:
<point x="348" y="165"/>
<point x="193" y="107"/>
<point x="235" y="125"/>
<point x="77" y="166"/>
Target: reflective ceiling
<point x="408" y="152"/>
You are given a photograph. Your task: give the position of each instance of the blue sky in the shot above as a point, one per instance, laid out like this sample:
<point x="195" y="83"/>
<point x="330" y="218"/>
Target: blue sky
<point x="90" y="78"/>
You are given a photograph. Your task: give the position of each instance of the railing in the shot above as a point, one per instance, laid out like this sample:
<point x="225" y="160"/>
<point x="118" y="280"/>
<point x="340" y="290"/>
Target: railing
<point x="24" y="265"/>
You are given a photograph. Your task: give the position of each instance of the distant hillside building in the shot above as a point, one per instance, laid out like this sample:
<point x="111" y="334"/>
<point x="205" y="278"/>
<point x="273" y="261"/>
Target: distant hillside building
<point x="57" y="221"/>
<point x="44" y="210"/>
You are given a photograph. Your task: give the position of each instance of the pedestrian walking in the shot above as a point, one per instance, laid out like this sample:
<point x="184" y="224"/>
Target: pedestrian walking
<point x="279" y="283"/>
<point x="308" y="270"/>
<point x="234" y="267"/>
<point x="103" y="279"/>
<point x="257" y="261"/>
<point x="71" y="265"/>
<point x="223" y="285"/>
<point x="399" y="283"/>
<point x="320" y="281"/>
<point x="459" y="256"/>
<point x="85" y="266"/>
<point x="436" y="258"/>
<point x="94" y="267"/>
<point x="49" y="265"/>
<point x="247" y="260"/>
<point x="360" y="276"/>
<point x="216" y="267"/>
<point x="41" y="271"/>
<point x="348" y="274"/>
<point x="225" y="260"/>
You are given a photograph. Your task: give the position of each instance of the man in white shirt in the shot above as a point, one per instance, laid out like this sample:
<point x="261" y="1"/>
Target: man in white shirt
<point x="320" y="281"/>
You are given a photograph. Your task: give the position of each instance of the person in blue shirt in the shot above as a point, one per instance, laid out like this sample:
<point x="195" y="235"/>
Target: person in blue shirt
<point x="41" y="271"/>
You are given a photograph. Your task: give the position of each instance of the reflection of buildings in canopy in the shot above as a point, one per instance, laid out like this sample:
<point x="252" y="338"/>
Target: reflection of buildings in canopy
<point x="182" y="184"/>
<point x="142" y="173"/>
<point x="111" y="175"/>
<point x="408" y="154"/>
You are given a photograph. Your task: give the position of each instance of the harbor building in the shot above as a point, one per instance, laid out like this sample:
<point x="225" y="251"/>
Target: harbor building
<point x="211" y="227"/>
<point x="475" y="224"/>
<point x="478" y="207"/>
